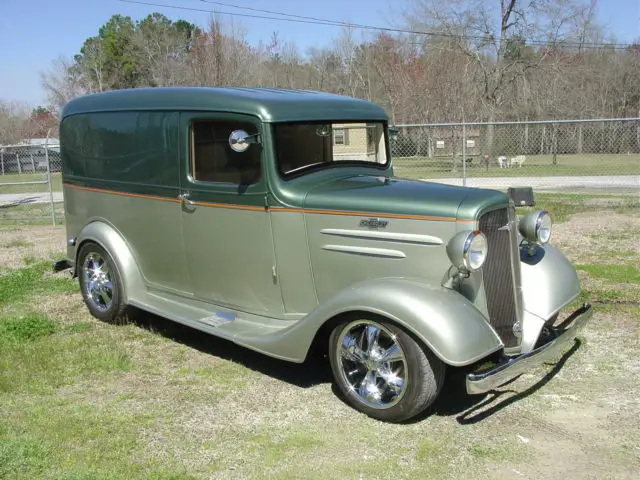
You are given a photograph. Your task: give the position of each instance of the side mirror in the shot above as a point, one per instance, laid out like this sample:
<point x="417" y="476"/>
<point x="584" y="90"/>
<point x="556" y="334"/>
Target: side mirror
<point x="239" y="140"/>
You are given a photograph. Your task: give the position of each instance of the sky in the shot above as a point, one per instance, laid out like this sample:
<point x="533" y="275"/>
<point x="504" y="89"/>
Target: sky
<point x="33" y="33"/>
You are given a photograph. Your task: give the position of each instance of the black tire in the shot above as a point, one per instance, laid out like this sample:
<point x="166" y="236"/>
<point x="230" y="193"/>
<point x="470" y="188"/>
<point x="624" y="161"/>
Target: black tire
<point x="117" y="310"/>
<point x="423" y="377"/>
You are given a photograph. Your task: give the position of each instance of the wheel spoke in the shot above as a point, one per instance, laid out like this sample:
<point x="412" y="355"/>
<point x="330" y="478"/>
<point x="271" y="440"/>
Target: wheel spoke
<point x="368" y="388"/>
<point x="104" y="295"/>
<point x="351" y="350"/>
<point x="392" y="354"/>
<point x="392" y="380"/>
<point x="373" y="334"/>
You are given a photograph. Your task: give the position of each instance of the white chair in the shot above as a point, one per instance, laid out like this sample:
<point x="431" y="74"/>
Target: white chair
<point x="518" y="160"/>
<point x="502" y="161"/>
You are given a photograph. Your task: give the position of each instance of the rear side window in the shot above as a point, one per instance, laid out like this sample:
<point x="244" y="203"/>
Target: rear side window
<point x="140" y="147"/>
<point x="213" y="160"/>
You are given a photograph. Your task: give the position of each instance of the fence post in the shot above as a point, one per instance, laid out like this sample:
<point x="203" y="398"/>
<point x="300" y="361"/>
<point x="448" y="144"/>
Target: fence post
<point x="464" y="155"/>
<point x="46" y="156"/>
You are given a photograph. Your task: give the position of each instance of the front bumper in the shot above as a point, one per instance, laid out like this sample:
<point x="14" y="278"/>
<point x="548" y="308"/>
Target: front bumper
<point x="484" y="381"/>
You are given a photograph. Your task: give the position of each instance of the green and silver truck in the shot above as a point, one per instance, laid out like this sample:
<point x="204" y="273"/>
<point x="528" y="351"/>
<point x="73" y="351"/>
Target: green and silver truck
<point x="272" y="218"/>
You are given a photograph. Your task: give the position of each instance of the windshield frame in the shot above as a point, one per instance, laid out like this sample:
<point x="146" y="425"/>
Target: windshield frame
<point x="320" y="166"/>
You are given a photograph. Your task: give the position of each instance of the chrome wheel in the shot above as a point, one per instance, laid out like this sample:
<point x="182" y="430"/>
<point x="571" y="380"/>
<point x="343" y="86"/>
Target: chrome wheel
<point x="372" y="363"/>
<point x="97" y="279"/>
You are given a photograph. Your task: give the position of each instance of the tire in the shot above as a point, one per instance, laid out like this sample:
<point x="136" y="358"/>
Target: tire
<point x="401" y="388"/>
<point x="106" y="303"/>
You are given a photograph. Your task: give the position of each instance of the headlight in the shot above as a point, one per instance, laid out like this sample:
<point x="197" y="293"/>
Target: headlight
<point x="468" y="250"/>
<point x="535" y="227"/>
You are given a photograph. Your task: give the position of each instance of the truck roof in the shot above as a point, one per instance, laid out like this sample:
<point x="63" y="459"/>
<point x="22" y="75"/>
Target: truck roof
<point x="268" y="104"/>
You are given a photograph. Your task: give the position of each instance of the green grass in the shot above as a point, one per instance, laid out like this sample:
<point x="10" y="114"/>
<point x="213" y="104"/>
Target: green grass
<point x="562" y="205"/>
<point x="25" y="328"/>
<point x="61" y="440"/>
<point x="30" y="214"/>
<point x="534" y="166"/>
<point x="613" y="273"/>
<point x="21" y="283"/>
<point x="56" y="183"/>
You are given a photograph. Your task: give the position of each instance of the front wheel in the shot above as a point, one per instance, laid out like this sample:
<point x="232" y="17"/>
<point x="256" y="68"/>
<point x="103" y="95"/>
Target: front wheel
<point x="382" y="371"/>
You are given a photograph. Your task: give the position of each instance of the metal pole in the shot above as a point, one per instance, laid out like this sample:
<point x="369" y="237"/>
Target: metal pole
<point x="464" y="155"/>
<point x="46" y="157"/>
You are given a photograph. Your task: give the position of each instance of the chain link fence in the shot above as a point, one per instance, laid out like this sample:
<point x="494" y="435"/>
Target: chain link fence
<point x="601" y="156"/>
<point x="547" y="155"/>
<point x="29" y="182"/>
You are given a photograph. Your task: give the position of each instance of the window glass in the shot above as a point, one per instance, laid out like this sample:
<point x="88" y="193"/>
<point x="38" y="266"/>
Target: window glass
<point x="212" y="158"/>
<point x="123" y="146"/>
<point x="304" y="146"/>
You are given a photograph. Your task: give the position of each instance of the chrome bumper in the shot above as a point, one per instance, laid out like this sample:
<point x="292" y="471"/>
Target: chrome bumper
<point x="481" y="382"/>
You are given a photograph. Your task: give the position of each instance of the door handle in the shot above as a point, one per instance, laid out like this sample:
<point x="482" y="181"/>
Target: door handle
<point x="184" y="198"/>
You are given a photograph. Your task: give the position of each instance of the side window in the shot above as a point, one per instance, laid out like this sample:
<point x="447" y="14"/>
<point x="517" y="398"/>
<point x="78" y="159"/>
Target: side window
<point x="213" y="160"/>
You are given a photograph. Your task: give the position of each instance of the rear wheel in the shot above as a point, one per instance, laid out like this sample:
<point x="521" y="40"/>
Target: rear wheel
<point x="382" y="371"/>
<point x="100" y="283"/>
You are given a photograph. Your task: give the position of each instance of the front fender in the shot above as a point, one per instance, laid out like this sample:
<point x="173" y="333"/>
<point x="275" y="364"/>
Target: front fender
<point x="549" y="283"/>
<point x="110" y="239"/>
<point x="444" y="320"/>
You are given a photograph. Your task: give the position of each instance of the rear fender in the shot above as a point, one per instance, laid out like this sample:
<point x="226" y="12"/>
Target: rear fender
<point x="110" y="239"/>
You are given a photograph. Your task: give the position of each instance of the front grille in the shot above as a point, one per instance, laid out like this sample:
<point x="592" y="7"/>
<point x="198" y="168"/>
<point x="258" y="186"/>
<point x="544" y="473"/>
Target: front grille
<point x="498" y="272"/>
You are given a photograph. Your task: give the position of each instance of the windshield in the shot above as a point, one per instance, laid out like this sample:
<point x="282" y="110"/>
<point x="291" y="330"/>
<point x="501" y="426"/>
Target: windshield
<point x="306" y="146"/>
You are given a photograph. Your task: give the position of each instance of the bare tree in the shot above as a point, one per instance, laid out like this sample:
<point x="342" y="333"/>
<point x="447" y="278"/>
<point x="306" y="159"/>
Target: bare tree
<point x="61" y="84"/>
<point x="13" y="121"/>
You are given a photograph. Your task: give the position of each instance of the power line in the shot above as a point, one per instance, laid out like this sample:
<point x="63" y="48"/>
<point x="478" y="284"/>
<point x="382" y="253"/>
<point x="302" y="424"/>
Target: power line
<point x="319" y="21"/>
<point x="338" y="22"/>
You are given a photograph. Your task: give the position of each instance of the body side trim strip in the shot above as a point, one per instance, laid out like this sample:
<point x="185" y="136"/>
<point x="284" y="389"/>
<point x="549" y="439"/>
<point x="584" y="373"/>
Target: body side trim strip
<point x="274" y="209"/>
<point x="373" y="252"/>
<point x="393" y="236"/>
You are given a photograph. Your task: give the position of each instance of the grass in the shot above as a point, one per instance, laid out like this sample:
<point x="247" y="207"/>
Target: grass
<point x="30" y="214"/>
<point x="26" y="328"/>
<point x="613" y="273"/>
<point x="562" y="205"/>
<point x="80" y="398"/>
<point x="56" y="183"/>
<point x="534" y="166"/>
<point x="21" y="283"/>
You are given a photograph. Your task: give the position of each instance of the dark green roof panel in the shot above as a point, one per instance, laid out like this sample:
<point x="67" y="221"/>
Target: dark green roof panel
<point x="269" y="104"/>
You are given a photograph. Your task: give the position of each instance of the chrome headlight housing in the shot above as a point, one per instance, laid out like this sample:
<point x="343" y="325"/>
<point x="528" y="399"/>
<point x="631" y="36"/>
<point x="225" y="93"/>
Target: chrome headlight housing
<point x="535" y="227"/>
<point x="468" y="250"/>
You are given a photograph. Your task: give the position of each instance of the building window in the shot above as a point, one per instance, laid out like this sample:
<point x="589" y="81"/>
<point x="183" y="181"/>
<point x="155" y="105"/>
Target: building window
<point x="340" y="136"/>
<point x="213" y="160"/>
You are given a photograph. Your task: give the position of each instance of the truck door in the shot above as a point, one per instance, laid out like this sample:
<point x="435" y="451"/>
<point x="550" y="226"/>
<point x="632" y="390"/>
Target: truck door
<point x="226" y="228"/>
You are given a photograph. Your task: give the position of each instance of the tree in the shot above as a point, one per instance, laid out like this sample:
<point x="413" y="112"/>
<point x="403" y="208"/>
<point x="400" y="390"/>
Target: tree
<point x="495" y="35"/>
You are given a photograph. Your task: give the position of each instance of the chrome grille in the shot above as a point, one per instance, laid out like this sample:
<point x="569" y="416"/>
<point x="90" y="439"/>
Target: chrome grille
<point x="498" y="272"/>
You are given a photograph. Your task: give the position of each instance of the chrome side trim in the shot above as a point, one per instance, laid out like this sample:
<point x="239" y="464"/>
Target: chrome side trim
<point x="481" y="382"/>
<point x="373" y="252"/>
<point x="392" y="236"/>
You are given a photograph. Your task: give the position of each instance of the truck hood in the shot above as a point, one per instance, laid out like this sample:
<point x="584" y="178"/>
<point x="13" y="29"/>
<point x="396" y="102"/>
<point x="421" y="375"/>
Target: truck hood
<point x="372" y="195"/>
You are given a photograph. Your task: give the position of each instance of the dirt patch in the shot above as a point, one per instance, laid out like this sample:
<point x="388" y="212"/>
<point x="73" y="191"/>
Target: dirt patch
<point x="599" y="234"/>
<point x="18" y="244"/>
